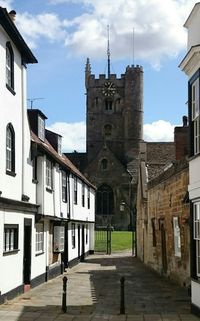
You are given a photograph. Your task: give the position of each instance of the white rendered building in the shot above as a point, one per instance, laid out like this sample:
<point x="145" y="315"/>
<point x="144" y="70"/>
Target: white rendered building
<point x="46" y="204"/>
<point x="191" y="66"/>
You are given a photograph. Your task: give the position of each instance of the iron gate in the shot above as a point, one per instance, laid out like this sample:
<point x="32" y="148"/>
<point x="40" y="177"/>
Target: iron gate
<point x="103" y="239"/>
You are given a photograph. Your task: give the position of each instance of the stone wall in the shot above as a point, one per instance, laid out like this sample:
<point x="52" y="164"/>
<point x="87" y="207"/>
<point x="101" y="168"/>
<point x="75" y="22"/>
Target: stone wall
<point x="167" y="200"/>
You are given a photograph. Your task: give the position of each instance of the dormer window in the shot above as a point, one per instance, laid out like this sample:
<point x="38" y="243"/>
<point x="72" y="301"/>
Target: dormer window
<point x="41" y="127"/>
<point x="59" y="145"/>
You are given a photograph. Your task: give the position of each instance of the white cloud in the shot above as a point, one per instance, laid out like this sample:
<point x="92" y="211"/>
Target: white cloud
<point x="158" y="28"/>
<point x="74" y="135"/>
<point x="6" y="4"/>
<point x="45" y="25"/>
<point x="159" y="131"/>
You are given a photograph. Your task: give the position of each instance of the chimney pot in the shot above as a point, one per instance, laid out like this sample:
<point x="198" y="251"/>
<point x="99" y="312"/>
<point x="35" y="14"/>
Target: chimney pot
<point x="12" y="15"/>
<point x="184" y="121"/>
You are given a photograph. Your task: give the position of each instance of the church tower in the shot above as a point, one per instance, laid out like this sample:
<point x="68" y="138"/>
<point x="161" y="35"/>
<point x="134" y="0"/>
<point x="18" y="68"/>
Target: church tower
<point x="114" y="132"/>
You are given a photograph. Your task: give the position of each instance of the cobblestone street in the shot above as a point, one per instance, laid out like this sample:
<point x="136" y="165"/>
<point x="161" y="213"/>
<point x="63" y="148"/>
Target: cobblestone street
<point x="93" y="293"/>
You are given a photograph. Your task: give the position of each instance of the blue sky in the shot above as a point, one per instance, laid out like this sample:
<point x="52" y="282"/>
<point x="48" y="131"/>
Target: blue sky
<point x="63" y="33"/>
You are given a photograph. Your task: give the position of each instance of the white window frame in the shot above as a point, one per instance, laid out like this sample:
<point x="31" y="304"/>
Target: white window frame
<point x="196" y="233"/>
<point x="64" y="186"/>
<point x="8" y="67"/>
<point x="195" y="115"/>
<point x="59" y="239"/>
<point x="196" y="132"/>
<point x="11" y="235"/>
<point x="49" y="174"/>
<point x="9" y="152"/>
<point x="39" y="238"/>
<point x="195" y="99"/>
<point x="177" y="237"/>
<point x="41" y="128"/>
<point x="73" y="235"/>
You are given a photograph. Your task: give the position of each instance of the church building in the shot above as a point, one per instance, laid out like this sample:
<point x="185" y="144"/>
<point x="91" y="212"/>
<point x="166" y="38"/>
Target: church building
<point x="114" y="127"/>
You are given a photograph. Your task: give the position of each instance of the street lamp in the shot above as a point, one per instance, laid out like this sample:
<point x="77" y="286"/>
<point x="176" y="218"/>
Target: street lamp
<point x="132" y="223"/>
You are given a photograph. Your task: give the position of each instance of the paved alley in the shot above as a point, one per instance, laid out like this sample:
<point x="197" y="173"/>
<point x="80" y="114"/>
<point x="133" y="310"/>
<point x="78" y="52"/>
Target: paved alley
<point x="93" y="293"/>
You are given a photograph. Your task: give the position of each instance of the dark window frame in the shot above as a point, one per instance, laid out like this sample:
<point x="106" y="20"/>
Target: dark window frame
<point x="10" y="68"/>
<point x="88" y="197"/>
<point x="104" y="200"/>
<point x="75" y="190"/>
<point x="34" y="171"/>
<point x="10" y="150"/>
<point x="64" y="187"/>
<point x="83" y="194"/>
<point x="108" y="105"/>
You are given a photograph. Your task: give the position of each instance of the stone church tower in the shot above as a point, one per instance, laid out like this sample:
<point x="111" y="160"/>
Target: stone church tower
<point x="114" y="132"/>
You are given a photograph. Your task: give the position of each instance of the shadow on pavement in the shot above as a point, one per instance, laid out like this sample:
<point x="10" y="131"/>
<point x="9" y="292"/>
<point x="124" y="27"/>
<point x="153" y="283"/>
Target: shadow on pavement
<point x="93" y="288"/>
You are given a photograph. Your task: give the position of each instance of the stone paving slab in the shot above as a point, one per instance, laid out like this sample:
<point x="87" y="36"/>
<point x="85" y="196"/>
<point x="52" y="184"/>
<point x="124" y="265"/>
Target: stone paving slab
<point x="93" y="294"/>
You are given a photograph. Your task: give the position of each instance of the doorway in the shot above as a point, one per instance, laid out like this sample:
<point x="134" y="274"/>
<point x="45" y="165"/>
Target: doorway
<point x="79" y="241"/>
<point x="27" y="251"/>
<point x="163" y="246"/>
<point x="83" y="243"/>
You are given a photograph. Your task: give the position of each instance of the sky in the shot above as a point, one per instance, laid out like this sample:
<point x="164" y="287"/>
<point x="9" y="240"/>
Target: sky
<point x="63" y="33"/>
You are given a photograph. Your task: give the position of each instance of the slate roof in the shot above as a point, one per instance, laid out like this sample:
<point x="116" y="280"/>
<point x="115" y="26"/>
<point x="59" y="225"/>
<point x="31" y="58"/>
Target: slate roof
<point x="60" y="159"/>
<point x="11" y="29"/>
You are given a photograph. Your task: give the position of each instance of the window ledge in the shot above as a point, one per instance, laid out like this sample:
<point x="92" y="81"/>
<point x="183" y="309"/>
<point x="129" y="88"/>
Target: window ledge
<point x="48" y="189"/>
<point x="11" y="173"/>
<point x="11" y="252"/>
<point x="10" y="89"/>
<point x="35" y="181"/>
<point x="40" y="253"/>
<point x="194" y="156"/>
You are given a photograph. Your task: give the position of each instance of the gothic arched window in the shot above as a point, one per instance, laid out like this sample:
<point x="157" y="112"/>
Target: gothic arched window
<point x="105" y="200"/>
<point x="10" y="149"/>
<point x="104" y="164"/>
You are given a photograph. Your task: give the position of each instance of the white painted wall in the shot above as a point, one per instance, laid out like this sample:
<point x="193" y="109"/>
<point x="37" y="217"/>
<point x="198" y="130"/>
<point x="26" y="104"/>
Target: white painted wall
<point x="193" y="26"/>
<point x="194" y="178"/>
<point x="11" y="275"/>
<point x="11" y="112"/>
<point x="195" y="298"/>
<point x="14" y="111"/>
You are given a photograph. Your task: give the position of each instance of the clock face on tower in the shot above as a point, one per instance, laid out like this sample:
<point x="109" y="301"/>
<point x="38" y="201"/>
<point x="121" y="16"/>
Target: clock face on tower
<point x="109" y="89"/>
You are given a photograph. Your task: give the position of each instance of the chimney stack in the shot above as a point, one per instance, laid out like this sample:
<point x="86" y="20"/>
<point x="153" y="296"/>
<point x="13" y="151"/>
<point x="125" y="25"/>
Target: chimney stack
<point x="12" y="15"/>
<point x="181" y="139"/>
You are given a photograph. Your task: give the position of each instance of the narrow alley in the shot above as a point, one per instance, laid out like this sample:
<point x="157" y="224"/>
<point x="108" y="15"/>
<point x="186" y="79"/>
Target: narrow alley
<point x="93" y="293"/>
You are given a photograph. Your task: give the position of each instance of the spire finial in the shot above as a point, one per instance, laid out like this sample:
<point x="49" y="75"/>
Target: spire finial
<point x="87" y="72"/>
<point x="108" y="52"/>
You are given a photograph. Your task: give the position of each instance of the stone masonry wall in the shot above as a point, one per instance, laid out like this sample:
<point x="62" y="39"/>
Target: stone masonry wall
<point x="167" y="199"/>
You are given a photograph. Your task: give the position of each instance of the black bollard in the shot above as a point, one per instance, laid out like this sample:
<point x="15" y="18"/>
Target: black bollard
<point x="122" y="305"/>
<point x="64" y="297"/>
